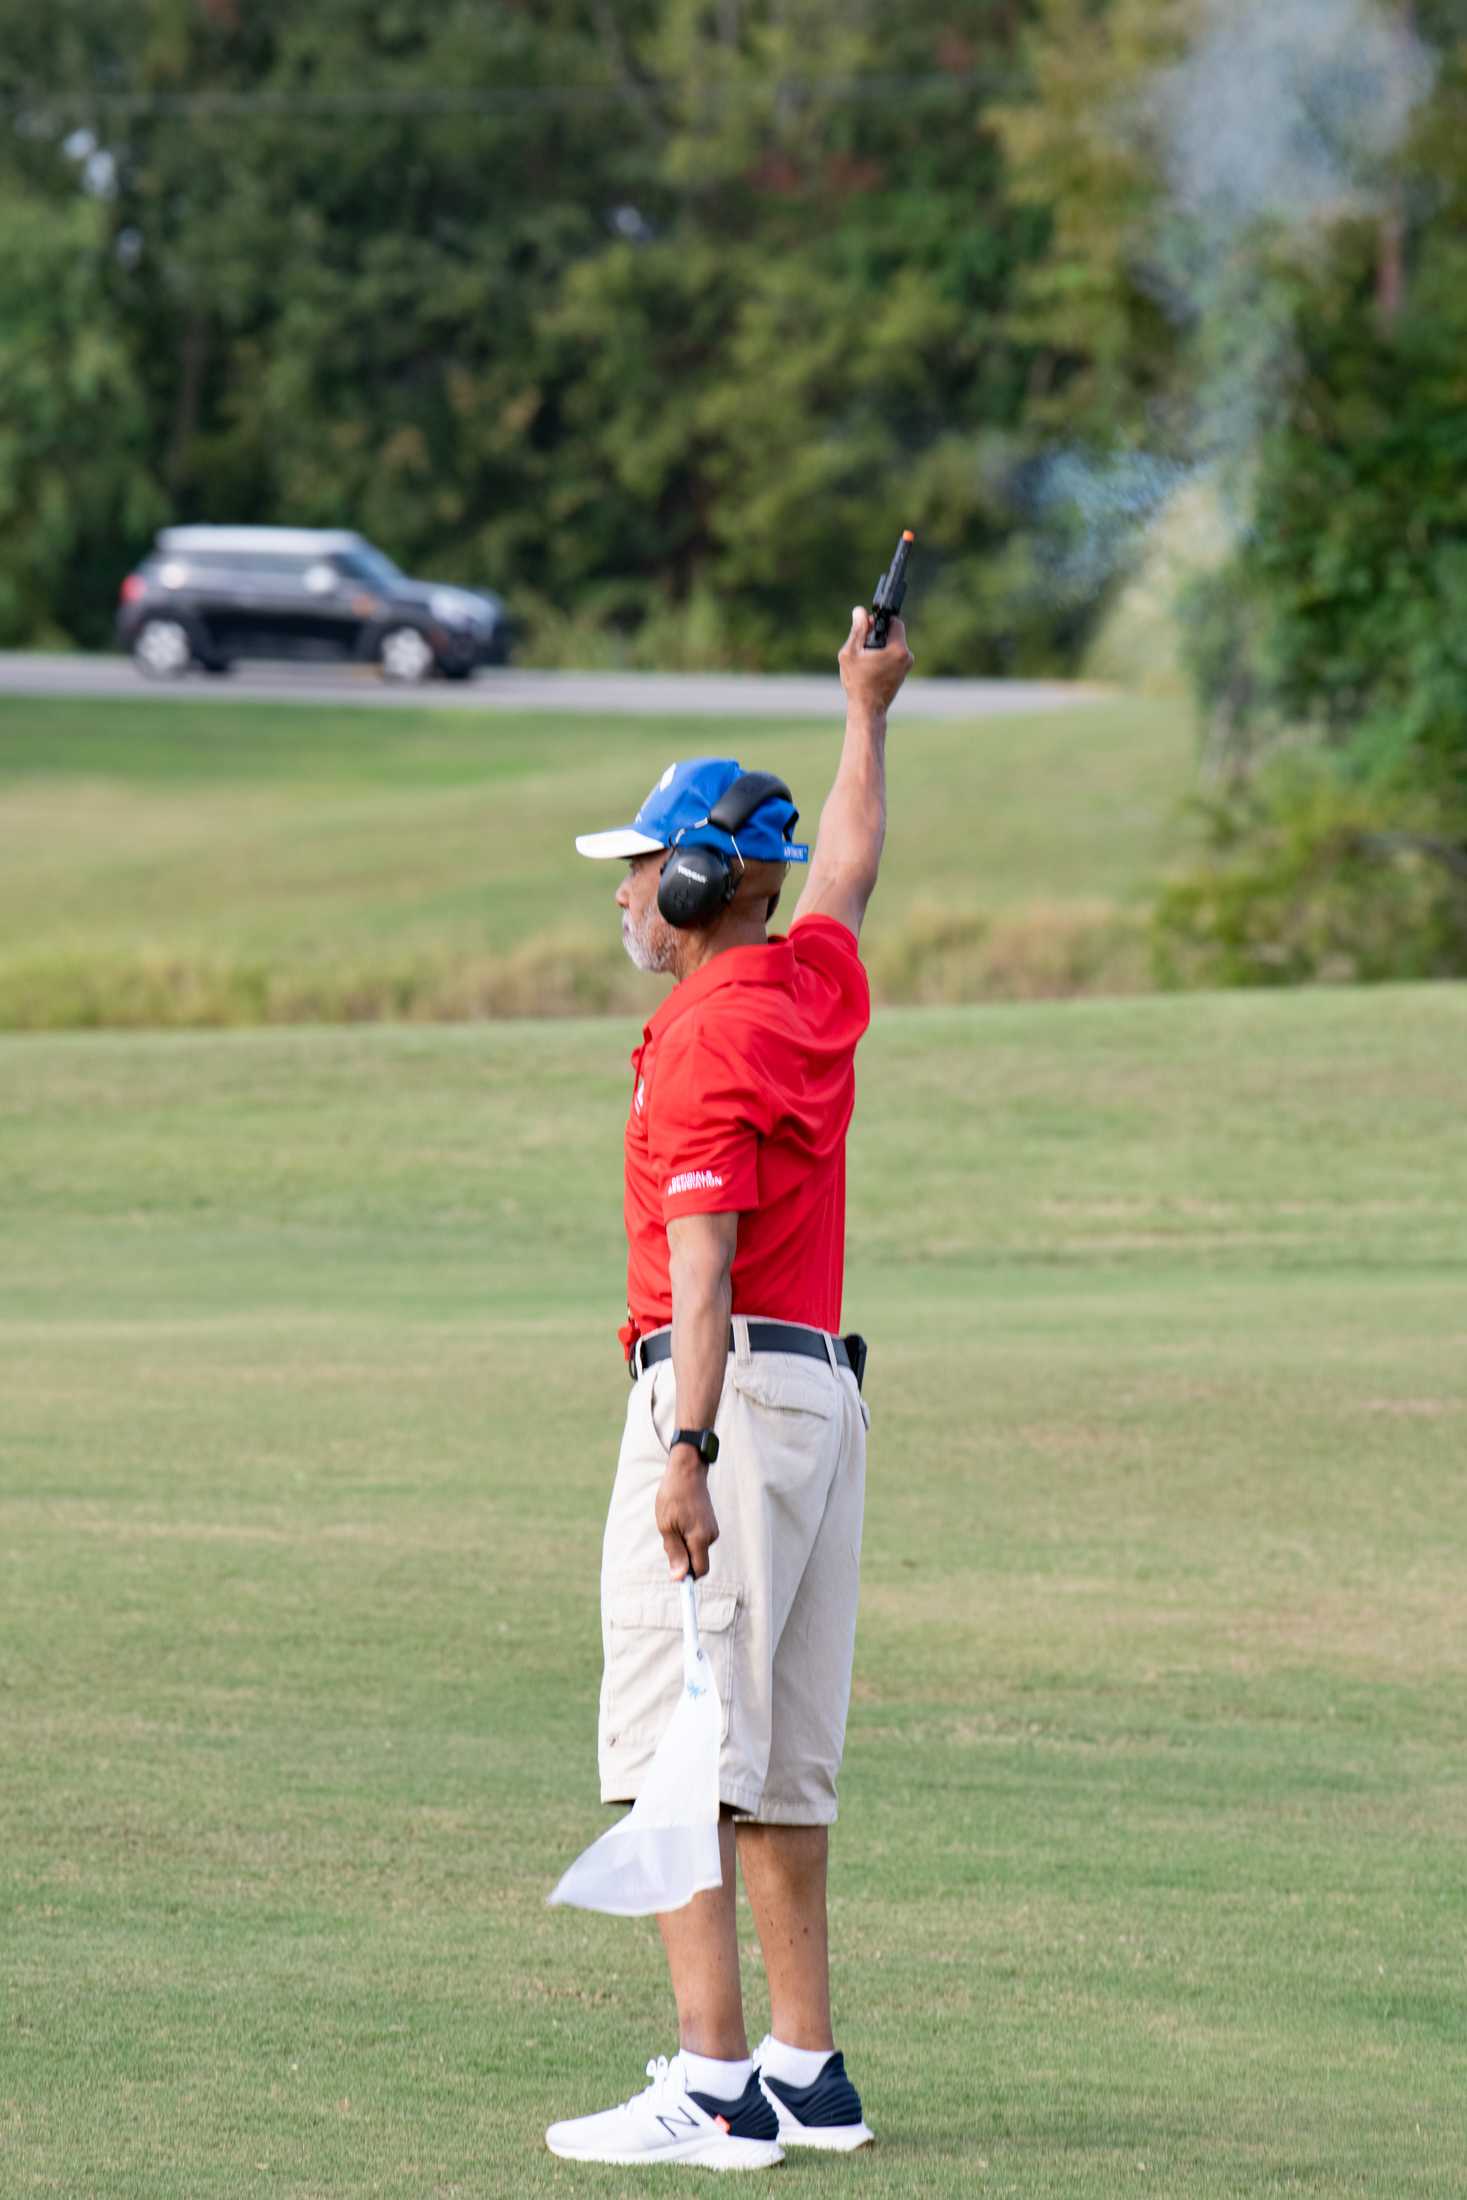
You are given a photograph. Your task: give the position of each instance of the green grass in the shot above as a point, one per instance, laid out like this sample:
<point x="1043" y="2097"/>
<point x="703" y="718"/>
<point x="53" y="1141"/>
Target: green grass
<point x="239" y="863"/>
<point x="1149" y="1876"/>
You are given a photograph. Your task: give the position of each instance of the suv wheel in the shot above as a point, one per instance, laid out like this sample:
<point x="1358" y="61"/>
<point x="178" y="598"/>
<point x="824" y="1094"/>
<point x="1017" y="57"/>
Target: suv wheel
<point x="162" y="649"/>
<point x="407" y="655"/>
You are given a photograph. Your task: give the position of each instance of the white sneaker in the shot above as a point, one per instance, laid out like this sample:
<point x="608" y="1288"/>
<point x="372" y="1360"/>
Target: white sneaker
<point x="668" y="2123"/>
<point x="826" y="2114"/>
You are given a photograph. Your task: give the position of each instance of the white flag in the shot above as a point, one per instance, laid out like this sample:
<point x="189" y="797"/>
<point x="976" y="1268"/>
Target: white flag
<point x="666" y="1848"/>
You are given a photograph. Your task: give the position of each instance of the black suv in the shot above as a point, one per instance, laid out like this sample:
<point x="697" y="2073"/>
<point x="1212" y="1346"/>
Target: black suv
<point x="206" y="595"/>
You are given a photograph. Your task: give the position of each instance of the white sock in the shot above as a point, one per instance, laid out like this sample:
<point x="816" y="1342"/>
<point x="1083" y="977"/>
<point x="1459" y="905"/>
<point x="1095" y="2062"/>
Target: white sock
<point x="724" y="2080"/>
<point x="794" y="2065"/>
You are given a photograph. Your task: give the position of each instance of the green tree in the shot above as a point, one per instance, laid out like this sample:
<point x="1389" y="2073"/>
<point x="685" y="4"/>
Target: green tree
<point x="1109" y="345"/>
<point x="1345" y="607"/>
<point x="671" y="315"/>
<point x="1305" y="345"/>
<point x="806" y="345"/>
<point x="74" y="473"/>
<point x="328" y="234"/>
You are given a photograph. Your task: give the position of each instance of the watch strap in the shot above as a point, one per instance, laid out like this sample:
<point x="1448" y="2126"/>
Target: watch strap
<point x="703" y="1441"/>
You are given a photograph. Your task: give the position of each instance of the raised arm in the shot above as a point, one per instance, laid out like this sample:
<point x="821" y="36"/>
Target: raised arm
<point x="853" y="822"/>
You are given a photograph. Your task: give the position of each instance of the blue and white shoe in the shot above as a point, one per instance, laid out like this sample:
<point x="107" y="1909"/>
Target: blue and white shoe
<point x="669" y="2123"/>
<point x="826" y="2114"/>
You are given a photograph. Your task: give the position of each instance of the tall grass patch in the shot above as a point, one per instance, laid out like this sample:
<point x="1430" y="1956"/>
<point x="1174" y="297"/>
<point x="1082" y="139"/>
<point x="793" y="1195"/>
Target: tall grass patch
<point x="229" y="864"/>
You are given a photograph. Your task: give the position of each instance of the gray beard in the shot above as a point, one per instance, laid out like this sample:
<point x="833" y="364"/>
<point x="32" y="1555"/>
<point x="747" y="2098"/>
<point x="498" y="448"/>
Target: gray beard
<point x="646" y="949"/>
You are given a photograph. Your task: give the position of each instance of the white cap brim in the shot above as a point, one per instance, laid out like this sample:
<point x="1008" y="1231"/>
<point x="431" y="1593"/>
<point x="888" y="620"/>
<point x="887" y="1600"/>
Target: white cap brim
<point x="625" y="841"/>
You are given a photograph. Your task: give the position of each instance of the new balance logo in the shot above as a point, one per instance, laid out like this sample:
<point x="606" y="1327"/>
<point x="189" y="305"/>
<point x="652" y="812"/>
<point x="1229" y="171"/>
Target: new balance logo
<point x="693" y="1180"/>
<point x="680" y="2118"/>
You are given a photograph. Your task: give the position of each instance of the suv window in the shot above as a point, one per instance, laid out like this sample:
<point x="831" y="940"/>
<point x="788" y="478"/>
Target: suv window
<point x="273" y="563"/>
<point x="366" y="565"/>
<point x="262" y="564"/>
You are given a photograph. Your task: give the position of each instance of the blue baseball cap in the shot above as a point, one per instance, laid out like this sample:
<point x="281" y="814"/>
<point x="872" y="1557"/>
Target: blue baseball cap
<point x="676" y="811"/>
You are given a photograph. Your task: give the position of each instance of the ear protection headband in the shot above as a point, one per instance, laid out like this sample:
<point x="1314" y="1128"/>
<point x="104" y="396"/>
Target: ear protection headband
<point x="698" y="882"/>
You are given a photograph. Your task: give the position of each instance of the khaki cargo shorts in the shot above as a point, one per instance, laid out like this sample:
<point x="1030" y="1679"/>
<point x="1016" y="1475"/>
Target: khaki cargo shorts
<point x="777" y="1609"/>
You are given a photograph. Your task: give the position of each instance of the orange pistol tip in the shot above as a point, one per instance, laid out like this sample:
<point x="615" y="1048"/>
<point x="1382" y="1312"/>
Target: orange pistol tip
<point x="907" y="535"/>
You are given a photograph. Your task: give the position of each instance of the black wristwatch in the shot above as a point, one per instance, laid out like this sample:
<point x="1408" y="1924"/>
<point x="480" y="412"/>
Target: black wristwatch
<point x="703" y="1441"/>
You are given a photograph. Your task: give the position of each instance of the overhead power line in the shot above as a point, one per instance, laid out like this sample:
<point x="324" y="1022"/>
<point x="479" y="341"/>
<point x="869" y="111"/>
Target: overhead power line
<point x="431" y="100"/>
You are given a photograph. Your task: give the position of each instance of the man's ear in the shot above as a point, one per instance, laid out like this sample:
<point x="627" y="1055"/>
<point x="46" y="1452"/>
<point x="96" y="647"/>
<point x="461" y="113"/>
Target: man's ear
<point x="755" y="883"/>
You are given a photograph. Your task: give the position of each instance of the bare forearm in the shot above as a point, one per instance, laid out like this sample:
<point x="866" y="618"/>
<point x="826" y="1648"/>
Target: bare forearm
<point x="853" y="822"/>
<point x="700" y="1258"/>
<point x="702" y="1305"/>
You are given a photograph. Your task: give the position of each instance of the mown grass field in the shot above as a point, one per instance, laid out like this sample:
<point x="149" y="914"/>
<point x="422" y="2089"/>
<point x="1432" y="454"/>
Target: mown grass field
<point x="246" y="862"/>
<point x="1149" y="1877"/>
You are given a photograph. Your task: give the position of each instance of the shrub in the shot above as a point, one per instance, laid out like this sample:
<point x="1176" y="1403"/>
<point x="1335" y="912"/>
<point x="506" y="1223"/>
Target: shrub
<point x="1311" y="875"/>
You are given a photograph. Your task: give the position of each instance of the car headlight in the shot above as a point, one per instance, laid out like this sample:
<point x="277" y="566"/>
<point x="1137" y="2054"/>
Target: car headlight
<point x="452" y="608"/>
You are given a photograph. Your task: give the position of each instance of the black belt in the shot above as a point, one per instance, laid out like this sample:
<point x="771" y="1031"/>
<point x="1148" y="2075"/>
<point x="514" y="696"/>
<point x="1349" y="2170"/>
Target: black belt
<point x="809" y="1344"/>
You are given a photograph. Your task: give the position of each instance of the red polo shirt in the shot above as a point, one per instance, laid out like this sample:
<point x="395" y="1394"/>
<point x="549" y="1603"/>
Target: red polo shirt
<point x="742" y="1090"/>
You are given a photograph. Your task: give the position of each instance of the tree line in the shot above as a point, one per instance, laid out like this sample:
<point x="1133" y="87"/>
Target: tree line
<point x="660" y="317"/>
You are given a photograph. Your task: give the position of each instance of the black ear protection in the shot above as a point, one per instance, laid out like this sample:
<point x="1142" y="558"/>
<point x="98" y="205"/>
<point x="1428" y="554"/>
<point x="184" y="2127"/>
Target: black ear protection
<point x="697" y="883"/>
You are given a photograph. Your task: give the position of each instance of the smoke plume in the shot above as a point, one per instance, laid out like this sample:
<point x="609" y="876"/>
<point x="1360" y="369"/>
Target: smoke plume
<point x="1286" y="112"/>
<point x="1281" y="119"/>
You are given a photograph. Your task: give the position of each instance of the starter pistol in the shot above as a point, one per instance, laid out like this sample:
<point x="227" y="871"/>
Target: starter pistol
<point x="890" y="589"/>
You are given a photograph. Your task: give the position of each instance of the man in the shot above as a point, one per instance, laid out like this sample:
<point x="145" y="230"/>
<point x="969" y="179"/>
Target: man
<point x="744" y="1452"/>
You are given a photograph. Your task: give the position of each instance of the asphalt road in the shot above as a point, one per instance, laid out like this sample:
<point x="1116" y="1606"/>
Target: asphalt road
<point x="628" y="694"/>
